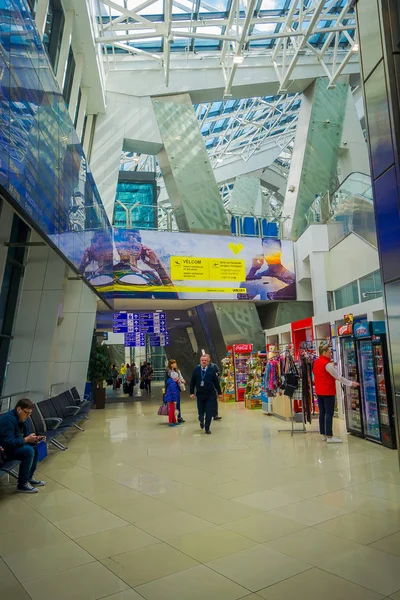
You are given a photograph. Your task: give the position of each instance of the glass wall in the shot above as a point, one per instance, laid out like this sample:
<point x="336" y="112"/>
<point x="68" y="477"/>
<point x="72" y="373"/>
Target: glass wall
<point x="371" y="286"/>
<point x="347" y="295"/>
<point x="43" y="171"/>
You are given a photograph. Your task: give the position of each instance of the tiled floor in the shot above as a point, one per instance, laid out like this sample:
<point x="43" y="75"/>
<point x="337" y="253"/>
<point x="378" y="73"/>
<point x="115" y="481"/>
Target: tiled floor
<point x="134" y="509"/>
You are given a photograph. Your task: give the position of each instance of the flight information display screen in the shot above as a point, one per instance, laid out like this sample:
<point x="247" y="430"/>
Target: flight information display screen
<point x="42" y="164"/>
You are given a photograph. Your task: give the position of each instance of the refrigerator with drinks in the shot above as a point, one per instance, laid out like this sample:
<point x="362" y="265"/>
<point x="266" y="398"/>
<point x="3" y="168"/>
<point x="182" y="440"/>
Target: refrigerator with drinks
<point x="349" y="369"/>
<point x="375" y="387"/>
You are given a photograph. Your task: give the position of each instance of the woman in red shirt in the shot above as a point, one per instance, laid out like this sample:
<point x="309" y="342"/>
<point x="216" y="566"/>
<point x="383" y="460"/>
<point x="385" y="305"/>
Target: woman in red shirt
<point x="325" y="376"/>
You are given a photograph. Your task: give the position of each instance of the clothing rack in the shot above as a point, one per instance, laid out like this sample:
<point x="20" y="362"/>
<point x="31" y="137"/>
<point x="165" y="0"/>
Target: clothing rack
<point x="292" y="430"/>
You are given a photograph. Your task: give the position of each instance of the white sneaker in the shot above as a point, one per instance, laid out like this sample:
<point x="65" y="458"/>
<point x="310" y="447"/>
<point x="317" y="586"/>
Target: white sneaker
<point x="323" y="438"/>
<point x="334" y="440"/>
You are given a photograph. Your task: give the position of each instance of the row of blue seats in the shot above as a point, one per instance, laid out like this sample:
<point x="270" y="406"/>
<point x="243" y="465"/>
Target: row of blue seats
<point x="253" y="226"/>
<point x="52" y="418"/>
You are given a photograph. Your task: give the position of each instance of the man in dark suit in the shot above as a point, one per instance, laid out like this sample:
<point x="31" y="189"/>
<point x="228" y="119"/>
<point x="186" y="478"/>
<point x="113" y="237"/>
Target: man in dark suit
<point x="205" y="381"/>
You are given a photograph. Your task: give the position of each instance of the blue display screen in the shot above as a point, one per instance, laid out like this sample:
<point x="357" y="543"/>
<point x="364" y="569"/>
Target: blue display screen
<point x="42" y="164"/>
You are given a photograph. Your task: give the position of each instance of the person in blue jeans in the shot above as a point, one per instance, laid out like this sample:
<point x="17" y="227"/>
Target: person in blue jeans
<point x="19" y="444"/>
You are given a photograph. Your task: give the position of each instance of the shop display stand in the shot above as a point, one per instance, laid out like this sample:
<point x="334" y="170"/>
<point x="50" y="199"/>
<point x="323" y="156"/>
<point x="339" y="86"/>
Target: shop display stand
<point x="293" y="430"/>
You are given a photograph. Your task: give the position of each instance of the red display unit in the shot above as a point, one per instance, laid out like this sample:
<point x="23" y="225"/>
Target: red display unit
<point x="302" y="333"/>
<point x="241" y="354"/>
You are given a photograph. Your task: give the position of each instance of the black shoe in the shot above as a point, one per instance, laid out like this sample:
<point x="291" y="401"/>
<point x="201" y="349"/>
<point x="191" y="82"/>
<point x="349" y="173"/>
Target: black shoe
<point x="201" y="424"/>
<point x="208" y="431"/>
<point x="217" y="418"/>
<point x="180" y="420"/>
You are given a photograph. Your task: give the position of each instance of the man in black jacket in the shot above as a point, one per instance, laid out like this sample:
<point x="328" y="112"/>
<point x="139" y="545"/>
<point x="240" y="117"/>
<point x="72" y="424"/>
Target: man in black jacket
<point x="205" y="381"/>
<point x="20" y="445"/>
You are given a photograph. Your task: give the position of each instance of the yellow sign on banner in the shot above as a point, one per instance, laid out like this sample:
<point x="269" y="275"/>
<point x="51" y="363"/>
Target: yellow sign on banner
<point x="207" y="269"/>
<point x="118" y="287"/>
<point x="227" y="269"/>
<point x="187" y="268"/>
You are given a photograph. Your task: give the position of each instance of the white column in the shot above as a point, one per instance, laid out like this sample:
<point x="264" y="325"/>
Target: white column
<point x="65" y="46"/>
<point x="82" y="112"/>
<point x="77" y="323"/>
<point x="88" y="133"/>
<point x="41" y="15"/>
<point x="76" y="85"/>
<point x="35" y="329"/>
<point x="318" y="282"/>
<point x="6" y="219"/>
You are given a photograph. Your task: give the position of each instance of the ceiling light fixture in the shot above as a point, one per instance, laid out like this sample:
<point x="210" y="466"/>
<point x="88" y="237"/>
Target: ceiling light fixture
<point x="356" y="48"/>
<point x="177" y="319"/>
<point x="237" y="60"/>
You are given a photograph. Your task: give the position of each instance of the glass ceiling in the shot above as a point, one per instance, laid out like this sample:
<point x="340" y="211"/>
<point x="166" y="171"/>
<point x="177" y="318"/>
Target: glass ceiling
<point x="200" y="25"/>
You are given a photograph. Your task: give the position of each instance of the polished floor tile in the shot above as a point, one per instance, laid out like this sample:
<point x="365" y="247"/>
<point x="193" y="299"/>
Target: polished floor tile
<point x="136" y="510"/>
<point x="146" y="564"/>
<point x="39" y="562"/>
<point x="125" y="595"/>
<point x="90" y="582"/>
<point x="267" y="500"/>
<point x="116" y="541"/>
<point x="10" y="587"/>
<point x="359" y="528"/>
<point x="264" y="527"/>
<point x="211" y="543"/>
<point x="257" y="567"/>
<point x="198" y="583"/>
<point x="314" y="585"/>
<point x="172" y="523"/>
<point x="375" y="570"/>
<point x="379" y="489"/>
<point x="98" y="520"/>
<point x="313" y="546"/>
<point x="307" y="512"/>
<point x="390" y="544"/>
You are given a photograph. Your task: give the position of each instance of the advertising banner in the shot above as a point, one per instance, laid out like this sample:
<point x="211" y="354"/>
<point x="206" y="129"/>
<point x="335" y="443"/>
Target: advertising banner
<point x="162" y="265"/>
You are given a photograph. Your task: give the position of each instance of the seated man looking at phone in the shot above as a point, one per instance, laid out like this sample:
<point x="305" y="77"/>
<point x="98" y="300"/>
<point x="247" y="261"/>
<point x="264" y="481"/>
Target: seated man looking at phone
<point x="19" y="444"/>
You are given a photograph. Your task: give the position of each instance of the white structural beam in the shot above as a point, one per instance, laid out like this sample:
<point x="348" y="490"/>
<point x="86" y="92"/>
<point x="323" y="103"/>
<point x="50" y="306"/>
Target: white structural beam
<point x="42" y="8"/>
<point x="204" y="80"/>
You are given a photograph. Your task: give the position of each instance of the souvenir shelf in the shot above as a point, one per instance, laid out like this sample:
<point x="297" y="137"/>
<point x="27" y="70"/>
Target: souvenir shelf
<point x="254" y="382"/>
<point x="228" y="379"/>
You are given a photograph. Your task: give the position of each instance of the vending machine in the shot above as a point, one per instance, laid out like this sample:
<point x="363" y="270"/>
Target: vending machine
<point x="241" y="354"/>
<point x="369" y="408"/>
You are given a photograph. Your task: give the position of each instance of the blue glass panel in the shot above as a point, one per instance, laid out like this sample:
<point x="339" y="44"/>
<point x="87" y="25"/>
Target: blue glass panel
<point x="42" y="165"/>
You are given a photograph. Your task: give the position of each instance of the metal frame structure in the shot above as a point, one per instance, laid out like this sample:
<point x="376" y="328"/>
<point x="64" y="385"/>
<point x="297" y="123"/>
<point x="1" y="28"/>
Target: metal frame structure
<point x="281" y="30"/>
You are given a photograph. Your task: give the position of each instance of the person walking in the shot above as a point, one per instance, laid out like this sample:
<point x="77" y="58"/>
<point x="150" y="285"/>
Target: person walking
<point x="172" y="397"/>
<point x="130" y="379"/>
<point x="173" y="367"/>
<point x="122" y="373"/>
<point x="114" y="375"/>
<point x="325" y="376"/>
<point x="147" y="377"/>
<point x="205" y="381"/>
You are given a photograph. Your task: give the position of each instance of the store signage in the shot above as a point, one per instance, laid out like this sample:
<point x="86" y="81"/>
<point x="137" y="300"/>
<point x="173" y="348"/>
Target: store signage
<point x="379" y="327"/>
<point x="243" y="348"/>
<point x="361" y="330"/>
<point x="348" y="318"/>
<point x="346" y="329"/>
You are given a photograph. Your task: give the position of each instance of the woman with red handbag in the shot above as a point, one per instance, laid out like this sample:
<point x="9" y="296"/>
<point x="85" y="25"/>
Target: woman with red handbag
<point x="172" y="397"/>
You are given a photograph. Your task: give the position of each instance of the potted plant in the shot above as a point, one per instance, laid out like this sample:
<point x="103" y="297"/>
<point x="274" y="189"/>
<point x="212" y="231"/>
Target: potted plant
<point x="98" y="371"/>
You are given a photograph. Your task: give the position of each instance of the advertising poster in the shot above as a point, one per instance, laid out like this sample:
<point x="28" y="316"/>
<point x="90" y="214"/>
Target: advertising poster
<point x="162" y="265"/>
